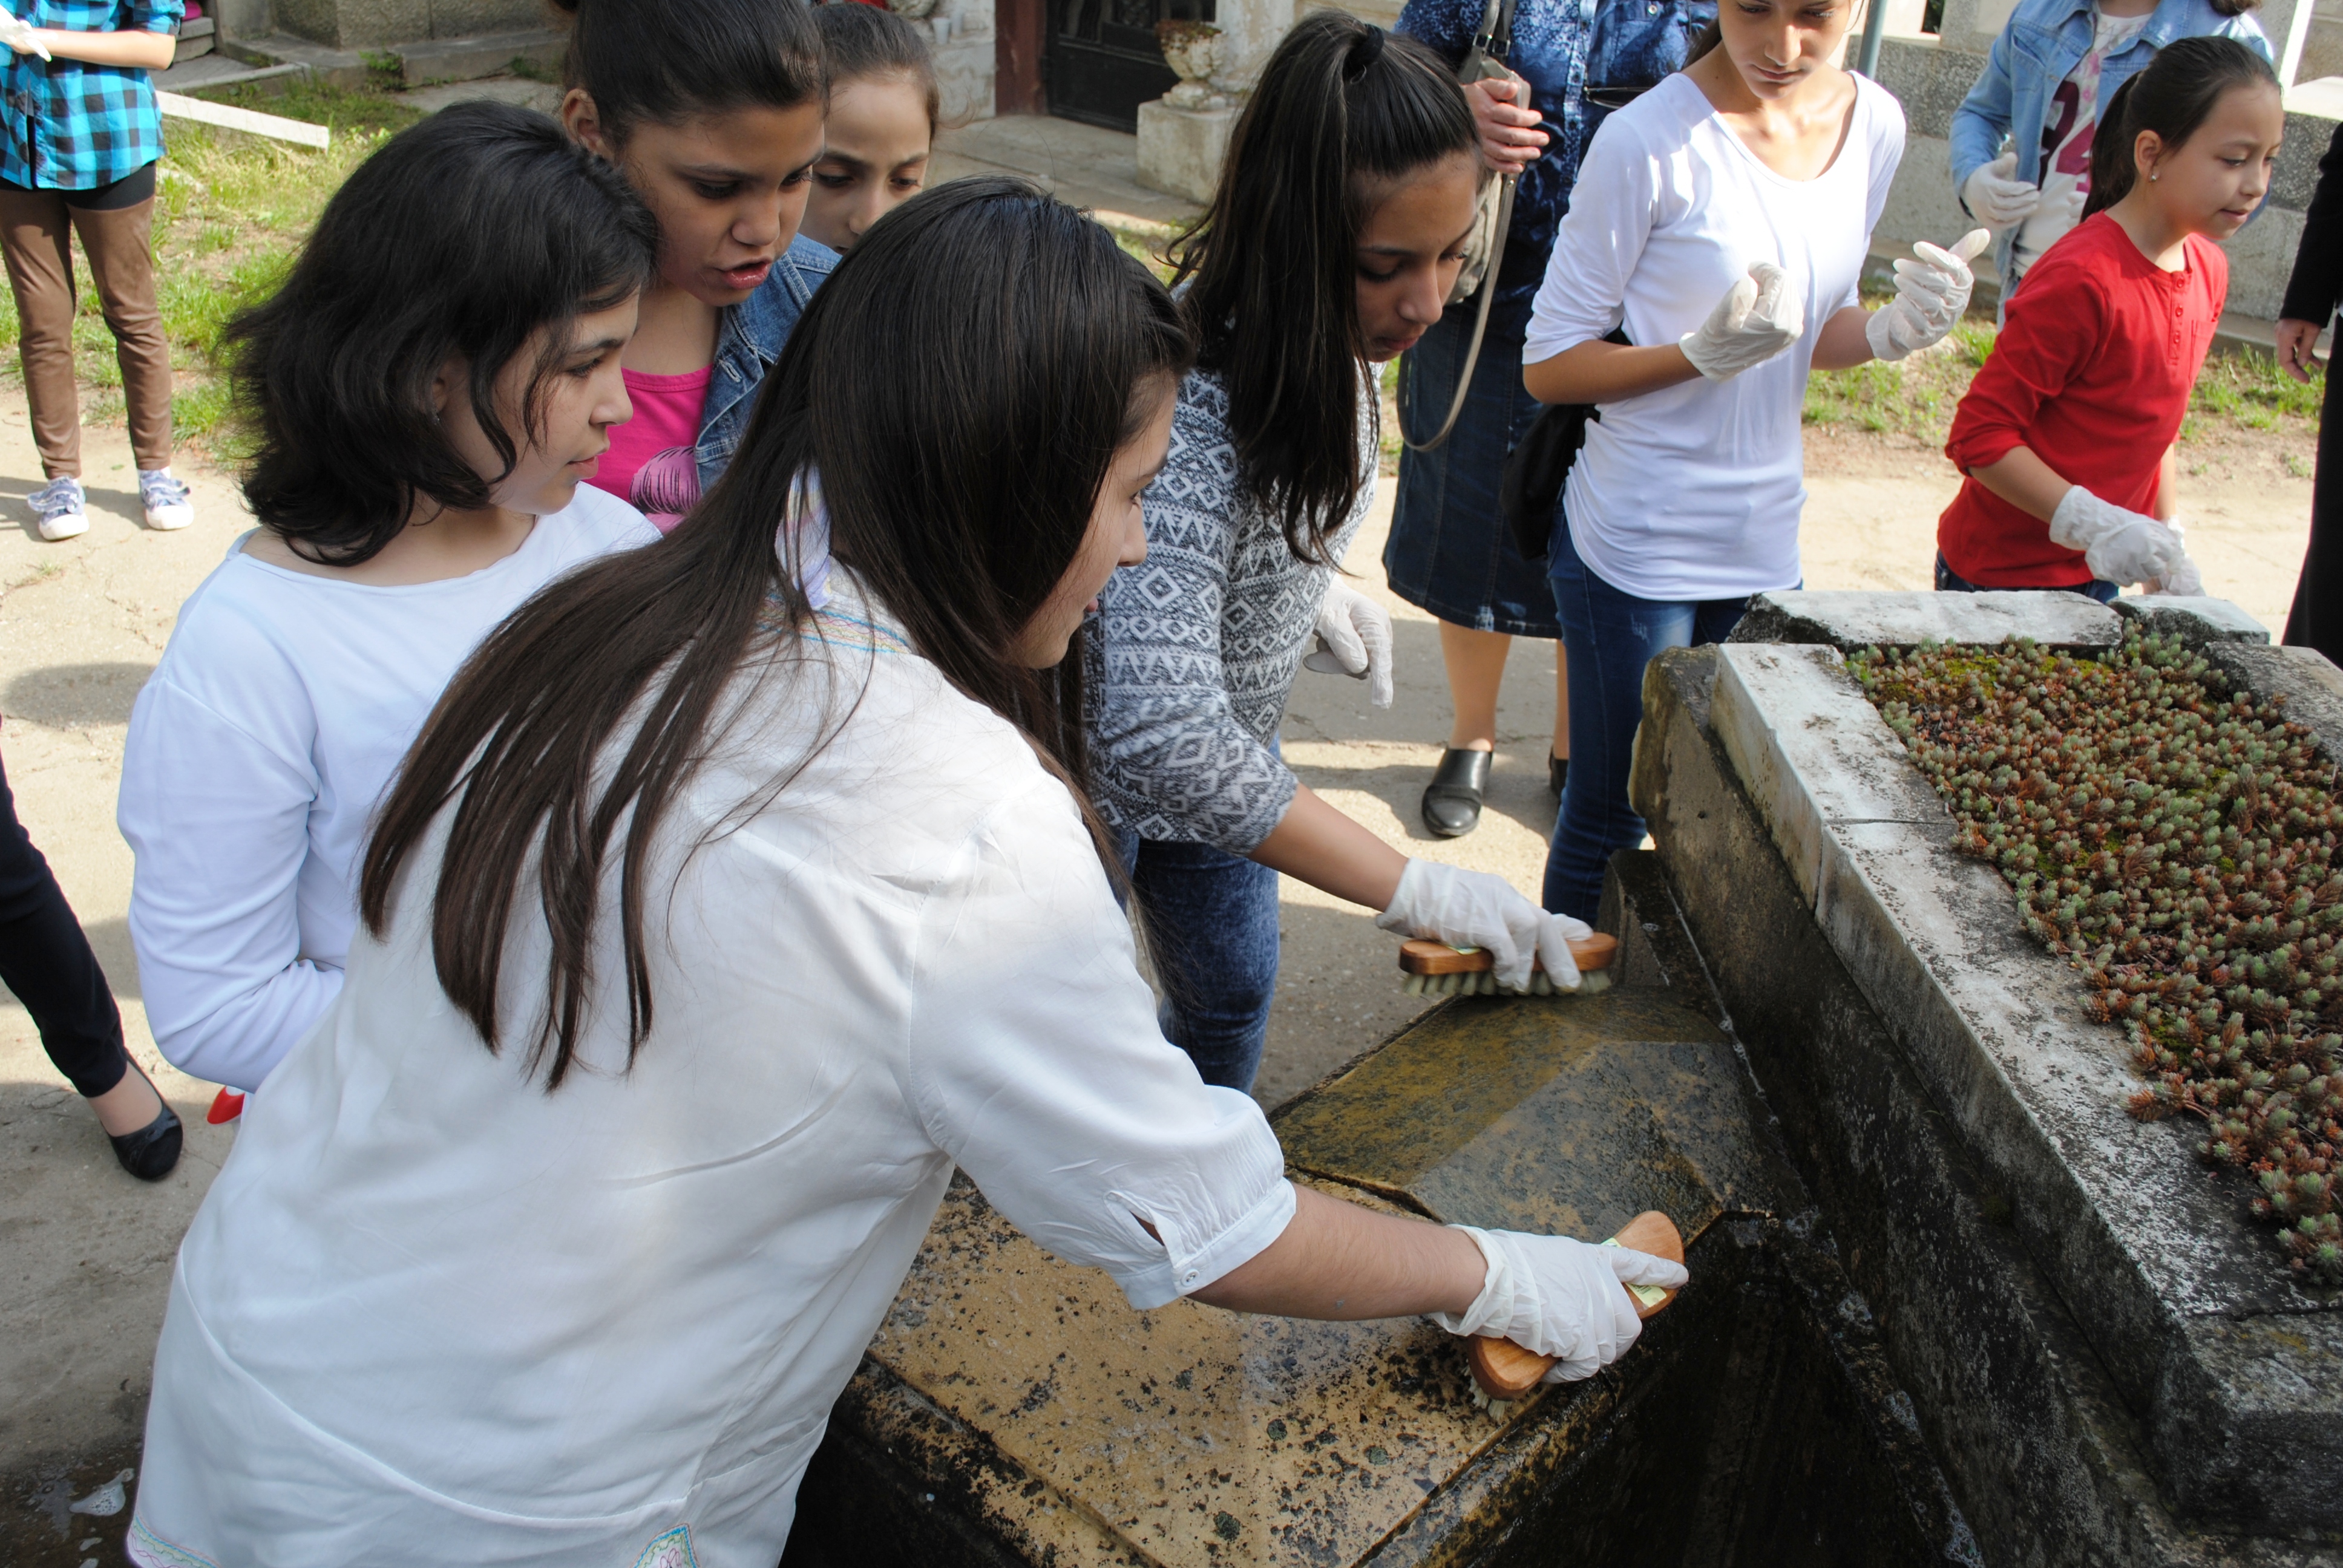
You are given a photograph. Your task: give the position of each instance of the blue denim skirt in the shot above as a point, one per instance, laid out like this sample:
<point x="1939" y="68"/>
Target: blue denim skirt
<point x="1450" y="552"/>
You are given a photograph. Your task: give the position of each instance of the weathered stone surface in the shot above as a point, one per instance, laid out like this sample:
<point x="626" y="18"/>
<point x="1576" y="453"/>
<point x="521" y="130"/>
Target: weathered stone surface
<point x="1961" y="1258"/>
<point x="1851" y="621"/>
<point x="1013" y="1410"/>
<point x="2195" y="620"/>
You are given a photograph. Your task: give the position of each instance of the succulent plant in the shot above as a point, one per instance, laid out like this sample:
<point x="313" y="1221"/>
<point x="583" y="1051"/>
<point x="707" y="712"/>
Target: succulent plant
<point x="2175" y="841"/>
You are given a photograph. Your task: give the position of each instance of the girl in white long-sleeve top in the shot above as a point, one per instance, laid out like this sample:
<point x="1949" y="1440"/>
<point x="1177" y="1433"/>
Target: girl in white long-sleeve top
<point x="707" y="932"/>
<point x="431" y="385"/>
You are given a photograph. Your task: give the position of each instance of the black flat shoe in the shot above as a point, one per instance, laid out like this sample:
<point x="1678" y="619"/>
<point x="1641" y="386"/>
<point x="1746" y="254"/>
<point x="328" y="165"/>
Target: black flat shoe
<point x="1451" y="801"/>
<point x="1557" y="773"/>
<point x="150" y="1152"/>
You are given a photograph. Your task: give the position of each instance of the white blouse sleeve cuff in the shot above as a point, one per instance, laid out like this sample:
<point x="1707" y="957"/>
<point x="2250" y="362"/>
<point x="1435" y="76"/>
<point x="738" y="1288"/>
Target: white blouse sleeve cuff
<point x="1186" y="1269"/>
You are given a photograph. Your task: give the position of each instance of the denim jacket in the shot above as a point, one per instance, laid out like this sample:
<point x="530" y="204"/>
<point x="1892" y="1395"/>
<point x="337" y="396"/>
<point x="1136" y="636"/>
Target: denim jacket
<point x="2045" y="40"/>
<point x="1564" y="49"/>
<point x="747" y="343"/>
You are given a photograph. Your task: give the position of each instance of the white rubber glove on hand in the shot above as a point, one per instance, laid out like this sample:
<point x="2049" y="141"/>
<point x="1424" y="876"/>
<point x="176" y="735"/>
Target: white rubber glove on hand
<point x="2118" y="545"/>
<point x="2181" y="579"/>
<point x="1559" y="1297"/>
<point x="18" y="35"/>
<point x="1355" y="639"/>
<point x="1995" y="194"/>
<point x="1758" y="318"/>
<point x="1931" y="295"/>
<point x="1481" y="909"/>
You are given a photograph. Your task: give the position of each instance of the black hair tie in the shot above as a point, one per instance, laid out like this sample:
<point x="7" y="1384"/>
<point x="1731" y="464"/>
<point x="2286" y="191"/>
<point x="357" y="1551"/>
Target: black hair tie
<point x="1363" y="53"/>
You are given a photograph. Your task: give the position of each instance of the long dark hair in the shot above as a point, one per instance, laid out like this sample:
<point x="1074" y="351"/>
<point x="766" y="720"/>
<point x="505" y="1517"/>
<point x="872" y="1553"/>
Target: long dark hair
<point x="859" y="41"/>
<point x="470" y="236"/>
<point x="1270" y="266"/>
<point x="675" y="59"/>
<point x="2172" y="94"/>
<point x="958" y="497"/>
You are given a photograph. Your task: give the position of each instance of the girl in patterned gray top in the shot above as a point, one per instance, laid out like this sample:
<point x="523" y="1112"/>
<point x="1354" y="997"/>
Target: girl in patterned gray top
<point x="1335" y="234"/>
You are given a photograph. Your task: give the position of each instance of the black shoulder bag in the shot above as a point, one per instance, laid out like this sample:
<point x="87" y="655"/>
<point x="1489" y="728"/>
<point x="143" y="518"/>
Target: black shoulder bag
<point x="1532" y="483"/>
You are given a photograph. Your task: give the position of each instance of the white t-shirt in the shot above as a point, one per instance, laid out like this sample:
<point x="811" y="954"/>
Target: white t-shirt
<point x="2072" y="120"/>
<point x="431" y="1311"/>
<point x="1693" y="492"/>
<point x="256" y="754"/>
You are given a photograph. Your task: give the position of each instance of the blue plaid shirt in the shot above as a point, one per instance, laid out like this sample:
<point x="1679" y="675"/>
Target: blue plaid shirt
<point x="71" y="127"/>
<point x="1566" y="50"/>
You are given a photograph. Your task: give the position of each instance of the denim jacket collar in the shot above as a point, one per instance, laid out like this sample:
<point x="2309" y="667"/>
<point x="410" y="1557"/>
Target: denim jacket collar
<point x="748" y="339"/>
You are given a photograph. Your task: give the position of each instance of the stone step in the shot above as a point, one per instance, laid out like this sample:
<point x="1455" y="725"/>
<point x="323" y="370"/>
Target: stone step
<point x="488" y="55"/>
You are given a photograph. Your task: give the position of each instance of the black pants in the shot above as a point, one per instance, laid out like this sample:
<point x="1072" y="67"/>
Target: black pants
<point x="46" y="961"/>
<point x="2317" y="620"/>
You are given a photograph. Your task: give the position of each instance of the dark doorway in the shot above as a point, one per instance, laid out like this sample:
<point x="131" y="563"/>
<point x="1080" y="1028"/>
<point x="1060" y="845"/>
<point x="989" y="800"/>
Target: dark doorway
<point x="1103" y="58"/>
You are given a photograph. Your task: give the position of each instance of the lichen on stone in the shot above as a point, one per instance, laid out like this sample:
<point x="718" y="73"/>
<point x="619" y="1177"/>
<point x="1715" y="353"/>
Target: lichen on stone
<point x="2177" y="842"/>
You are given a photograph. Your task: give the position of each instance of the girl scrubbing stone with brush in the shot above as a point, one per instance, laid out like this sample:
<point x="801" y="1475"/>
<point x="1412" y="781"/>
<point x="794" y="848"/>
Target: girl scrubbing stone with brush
<point x="1335" y="234"/>
<point x="707" y="933"/>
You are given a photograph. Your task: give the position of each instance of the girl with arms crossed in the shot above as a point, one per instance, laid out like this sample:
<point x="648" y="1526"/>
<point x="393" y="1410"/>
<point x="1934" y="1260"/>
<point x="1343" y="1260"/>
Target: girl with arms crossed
<point x="1723" y="218"/>
<point x="2068" y="434"/>
<point x="713" y="111"/>
<point x="1332" y="240"/>
<point x="431" y="385"/>
<point x="708" y="932"/>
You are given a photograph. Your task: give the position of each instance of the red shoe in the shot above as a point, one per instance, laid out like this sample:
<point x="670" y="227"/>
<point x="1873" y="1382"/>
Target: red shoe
<point x="226" y="1106"/>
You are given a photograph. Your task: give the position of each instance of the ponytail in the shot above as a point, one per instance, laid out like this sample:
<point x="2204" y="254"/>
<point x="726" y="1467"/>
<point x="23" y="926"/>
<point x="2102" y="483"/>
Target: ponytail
<point x="2172" y="96"/>
<point x="1270" y="267"/>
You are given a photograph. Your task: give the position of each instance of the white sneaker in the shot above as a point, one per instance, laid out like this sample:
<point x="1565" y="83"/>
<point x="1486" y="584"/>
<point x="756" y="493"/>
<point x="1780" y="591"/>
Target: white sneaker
<point x="167" y="501"/>
<point x="62" y="508"/>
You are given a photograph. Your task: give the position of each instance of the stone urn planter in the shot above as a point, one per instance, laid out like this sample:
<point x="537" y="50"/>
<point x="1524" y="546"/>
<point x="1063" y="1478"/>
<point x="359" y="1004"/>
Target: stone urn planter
<point x="1193" y="50"/>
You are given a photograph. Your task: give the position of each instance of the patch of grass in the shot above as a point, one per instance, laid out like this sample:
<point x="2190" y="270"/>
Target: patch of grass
<point x="1917" y="398"/>
<point x="230" y="213"/>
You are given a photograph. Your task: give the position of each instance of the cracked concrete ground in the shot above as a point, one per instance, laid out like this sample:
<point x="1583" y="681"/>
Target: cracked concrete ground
<point x="85" y="1252"/>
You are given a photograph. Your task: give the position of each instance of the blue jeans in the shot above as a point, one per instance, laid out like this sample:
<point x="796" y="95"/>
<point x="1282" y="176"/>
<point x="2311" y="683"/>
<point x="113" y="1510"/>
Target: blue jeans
<point x="1610" y="637"/>
<point x="1950" y="581"/>
<point x="1211" y="929"/>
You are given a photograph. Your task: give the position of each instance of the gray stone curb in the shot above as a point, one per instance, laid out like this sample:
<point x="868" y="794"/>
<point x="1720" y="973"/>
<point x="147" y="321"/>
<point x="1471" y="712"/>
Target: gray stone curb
<point x="2237" y="1372"/>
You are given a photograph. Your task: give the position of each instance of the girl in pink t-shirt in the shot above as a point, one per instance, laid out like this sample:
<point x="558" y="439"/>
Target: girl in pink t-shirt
<point x="712" y="109"/>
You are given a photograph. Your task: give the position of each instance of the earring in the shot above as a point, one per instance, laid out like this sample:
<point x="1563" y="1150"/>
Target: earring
<point x="2154" y="178"/>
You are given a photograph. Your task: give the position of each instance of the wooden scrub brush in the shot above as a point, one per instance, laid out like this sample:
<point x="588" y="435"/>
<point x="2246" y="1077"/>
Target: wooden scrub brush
<point x="1435" y="969"/>
<point x="1504" y="1371"/>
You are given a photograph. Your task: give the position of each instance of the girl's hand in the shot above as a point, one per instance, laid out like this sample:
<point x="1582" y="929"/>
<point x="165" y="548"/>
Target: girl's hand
<point x="1560" y="1298"/>
<point x="1355" y="639"/>
<point x="1481" y="909"/>
<point x="1510" y="139"/>
<point x="1995" y="194"/>
<point x="20" y="36"/>
<point x="2119" y="545"/>
<point x="2296" y="340"/>
<point x="1931" y="295"/>
<point x="2181" y="577"/>
<point x="1758" y="319"/>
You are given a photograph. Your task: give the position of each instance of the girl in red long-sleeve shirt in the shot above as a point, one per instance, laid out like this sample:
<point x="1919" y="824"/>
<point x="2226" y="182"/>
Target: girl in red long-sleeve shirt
<point x="2067" y="434"/>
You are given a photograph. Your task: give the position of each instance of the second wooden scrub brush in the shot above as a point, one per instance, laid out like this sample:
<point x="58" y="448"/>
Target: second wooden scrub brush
<point x="1504" y="1371"/>
<point x="1435" y="969"/>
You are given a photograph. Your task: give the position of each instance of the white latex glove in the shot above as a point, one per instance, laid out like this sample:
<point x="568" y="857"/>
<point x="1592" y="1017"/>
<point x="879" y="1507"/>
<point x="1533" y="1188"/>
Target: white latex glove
<point x="2181" y="577"/>
<point x="1758" y="318"/>
<point x="1560" y="1298"/>
<point x="1481" y="909"/>
<point x="1931" y="294"/>
<point x="1995" y="194"/>
<point x="2118" y="545"/>
<point x="17" y="34"/>
<point x="1355" y="639"/>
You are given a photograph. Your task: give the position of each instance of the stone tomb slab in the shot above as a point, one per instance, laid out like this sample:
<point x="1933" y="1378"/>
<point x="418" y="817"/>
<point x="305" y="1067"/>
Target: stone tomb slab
<point x="2238" y="1370"/>
<point x="1055" y="1424"/>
